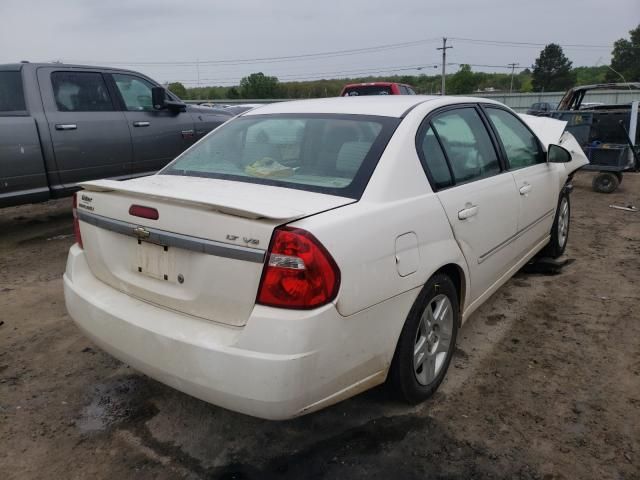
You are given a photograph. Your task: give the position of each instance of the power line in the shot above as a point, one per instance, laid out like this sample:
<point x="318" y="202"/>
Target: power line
<point x="285" y="58"/>
<point x="508" y="43"/>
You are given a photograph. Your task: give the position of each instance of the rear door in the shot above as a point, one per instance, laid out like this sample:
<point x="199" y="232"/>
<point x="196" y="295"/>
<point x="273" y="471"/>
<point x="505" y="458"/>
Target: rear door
<point x="90" y="136"/>
<point x="478" y="196"/>
<point x="22" y="173"/>
<point x="158" y="135"/>
<point x="536" y="180"/>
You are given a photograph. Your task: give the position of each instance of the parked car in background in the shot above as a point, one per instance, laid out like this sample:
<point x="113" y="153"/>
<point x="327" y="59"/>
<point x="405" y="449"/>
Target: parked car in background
<point x="541" y="109"/>
<point x="376" y="88"/>
<point x="63" y="124"/>
<point x="307" y="251"/>
<point x="241" y="107"/>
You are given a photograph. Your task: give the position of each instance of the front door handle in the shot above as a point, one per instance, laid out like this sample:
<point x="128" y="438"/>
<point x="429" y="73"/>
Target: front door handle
<point x="468" y="212"/>
<point x="141" y="124"/>
<point x="526" y="188"/>
<point x="66" y="126"/>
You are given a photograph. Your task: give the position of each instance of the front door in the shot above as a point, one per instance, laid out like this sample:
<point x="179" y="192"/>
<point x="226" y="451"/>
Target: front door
<point x="90" y="136"/>
<point x="478" y="196"/>
<point x="536" y="180"/>
<point x="158" y="135"/>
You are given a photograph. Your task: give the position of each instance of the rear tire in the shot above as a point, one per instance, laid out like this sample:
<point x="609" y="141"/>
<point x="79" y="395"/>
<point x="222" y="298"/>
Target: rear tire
<point x="427" y="341"/>
<point x="605" y="182"/>
<point x="560" y="229"/>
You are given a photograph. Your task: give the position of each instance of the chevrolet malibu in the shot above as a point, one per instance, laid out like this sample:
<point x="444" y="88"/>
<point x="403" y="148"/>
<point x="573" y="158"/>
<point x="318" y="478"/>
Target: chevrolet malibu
<point x="307" y="251"/>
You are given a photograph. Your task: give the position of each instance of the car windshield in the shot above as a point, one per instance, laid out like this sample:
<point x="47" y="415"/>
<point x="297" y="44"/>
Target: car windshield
<point x="367" y="90"/>
<point x="333" y="154"/>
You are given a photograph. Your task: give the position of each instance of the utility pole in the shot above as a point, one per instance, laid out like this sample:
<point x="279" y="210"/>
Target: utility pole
<point x="444" y="61"/>
<point x="198" y="70"/>
<point x="513" y="68"/>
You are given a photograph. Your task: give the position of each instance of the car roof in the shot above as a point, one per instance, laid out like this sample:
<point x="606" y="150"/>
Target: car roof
<point x="380" y="105"/>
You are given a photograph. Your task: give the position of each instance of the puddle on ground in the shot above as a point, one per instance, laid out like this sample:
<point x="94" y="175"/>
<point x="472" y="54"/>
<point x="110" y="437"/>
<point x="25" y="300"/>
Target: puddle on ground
<point x="122" y="399"/>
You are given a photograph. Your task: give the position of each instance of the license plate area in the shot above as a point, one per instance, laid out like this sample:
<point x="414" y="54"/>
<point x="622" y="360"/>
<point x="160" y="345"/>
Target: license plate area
<point x="153" y="260"/>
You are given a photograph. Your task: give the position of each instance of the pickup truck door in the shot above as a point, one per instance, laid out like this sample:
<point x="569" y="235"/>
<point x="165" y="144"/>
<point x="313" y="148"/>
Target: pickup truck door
<point x="478" y="196"/>
<point x="537" y="181"/>
<point x="158" y="135"/>
<point x="90" y="136"/>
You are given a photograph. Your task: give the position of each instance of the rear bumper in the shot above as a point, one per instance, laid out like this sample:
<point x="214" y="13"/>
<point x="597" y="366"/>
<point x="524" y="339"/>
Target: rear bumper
<point x="280" y="365"/>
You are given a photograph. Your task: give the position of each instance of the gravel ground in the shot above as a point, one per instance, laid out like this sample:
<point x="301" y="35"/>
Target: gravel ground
<point x="545" y="383"/>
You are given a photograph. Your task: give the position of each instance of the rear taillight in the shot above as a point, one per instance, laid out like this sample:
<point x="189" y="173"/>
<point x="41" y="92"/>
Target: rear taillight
<point x="76" y="223"/>
<point x="299" y="272"/>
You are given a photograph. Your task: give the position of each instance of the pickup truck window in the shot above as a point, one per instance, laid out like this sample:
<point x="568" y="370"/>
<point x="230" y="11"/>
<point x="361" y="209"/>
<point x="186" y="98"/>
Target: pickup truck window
<point x="135" y="91"/>
<point x="11" y="92"/>
<point x="81" y="92"/>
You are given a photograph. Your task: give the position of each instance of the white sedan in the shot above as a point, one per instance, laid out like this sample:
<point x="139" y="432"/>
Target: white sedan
<point x="307" y="251"/>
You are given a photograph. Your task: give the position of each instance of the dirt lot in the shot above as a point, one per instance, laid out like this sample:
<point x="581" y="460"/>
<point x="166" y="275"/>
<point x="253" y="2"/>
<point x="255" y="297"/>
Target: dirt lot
<point x="545" y="383"/>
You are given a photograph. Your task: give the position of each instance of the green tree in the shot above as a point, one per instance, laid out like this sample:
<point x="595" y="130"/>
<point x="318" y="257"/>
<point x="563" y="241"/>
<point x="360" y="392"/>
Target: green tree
<point x="552" y="70"/>
<point x="463" y="81"/>
<point x="258" y="85"/>
<point x="625" y="58"/>
<point x="233" y="93"/>
<point x="178" y="89"/>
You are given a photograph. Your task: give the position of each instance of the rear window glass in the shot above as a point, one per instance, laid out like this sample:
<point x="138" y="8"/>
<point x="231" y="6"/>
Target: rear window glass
<point x="11" y="92"/>
<point x="367" y="90"/>
<point x="333" y="154"/>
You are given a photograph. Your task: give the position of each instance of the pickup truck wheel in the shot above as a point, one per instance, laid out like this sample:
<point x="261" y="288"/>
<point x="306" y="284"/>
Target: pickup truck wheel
<point x="560" y="229"/>
<point x="427" y="341"/>
<point x="605" y="182"/>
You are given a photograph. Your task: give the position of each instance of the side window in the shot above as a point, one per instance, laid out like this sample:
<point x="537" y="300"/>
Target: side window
<point x="403" y="90"/>
<point x="80" y="92"/>
<point x="433" y="159"/>
<point x="411" y="91"/>
<point x="520" y="145"/>
<point x="135" y="91"/>
<point x="467" y="144"/>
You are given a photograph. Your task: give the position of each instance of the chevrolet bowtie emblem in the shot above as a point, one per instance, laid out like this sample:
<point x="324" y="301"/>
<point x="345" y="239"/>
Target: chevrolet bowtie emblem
<point x="141" y="232"/>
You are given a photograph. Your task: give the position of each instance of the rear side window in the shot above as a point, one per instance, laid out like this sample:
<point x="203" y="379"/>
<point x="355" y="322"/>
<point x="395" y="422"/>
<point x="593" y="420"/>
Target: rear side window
<point x="11" y="92"/>
<point x="81" y="92"/>
<point x="467" y="144"/>
<point x="333" y="154"/>
<point x="433" y="159"/>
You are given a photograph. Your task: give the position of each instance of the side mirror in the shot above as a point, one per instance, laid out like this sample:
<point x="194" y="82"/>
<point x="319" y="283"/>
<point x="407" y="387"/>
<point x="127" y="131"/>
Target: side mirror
<point x="160" y="102"/>
<point x="558" y="154"/>
<point x="158" y="98"/>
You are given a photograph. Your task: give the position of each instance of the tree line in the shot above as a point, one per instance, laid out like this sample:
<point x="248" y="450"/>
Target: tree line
<point x="552" y="71"/>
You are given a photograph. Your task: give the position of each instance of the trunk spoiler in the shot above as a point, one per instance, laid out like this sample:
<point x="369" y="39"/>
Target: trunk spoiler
<point x="228" y="204"/>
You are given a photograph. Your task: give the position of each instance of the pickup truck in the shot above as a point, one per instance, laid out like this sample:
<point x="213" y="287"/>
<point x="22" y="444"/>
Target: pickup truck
<point x="63" y="124"/>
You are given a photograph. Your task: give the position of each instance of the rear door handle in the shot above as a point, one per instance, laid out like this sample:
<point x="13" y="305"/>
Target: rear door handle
<point x="66" y="126"/>
<point x="141" y="124"/>
<point x="526" y="188"/>
<point x="468" y="212"/>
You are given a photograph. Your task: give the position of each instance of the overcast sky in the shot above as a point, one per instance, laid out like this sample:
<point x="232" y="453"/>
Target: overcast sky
<point x="136" y="32"/>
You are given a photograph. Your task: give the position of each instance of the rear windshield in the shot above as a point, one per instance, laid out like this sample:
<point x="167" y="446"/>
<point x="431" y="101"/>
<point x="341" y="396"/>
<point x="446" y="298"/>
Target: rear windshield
<point x="11" y="93"/>
<point x="333" y="154"/>
<point x="367" y="90"/>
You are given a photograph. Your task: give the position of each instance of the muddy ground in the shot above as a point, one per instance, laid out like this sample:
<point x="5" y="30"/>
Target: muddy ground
<point x="545" y="383"/>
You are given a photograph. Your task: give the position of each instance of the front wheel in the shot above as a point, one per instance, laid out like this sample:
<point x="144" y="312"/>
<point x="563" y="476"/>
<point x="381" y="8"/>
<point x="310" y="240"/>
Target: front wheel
<point x="427" y="341"/>
<point x="560" y="229"/>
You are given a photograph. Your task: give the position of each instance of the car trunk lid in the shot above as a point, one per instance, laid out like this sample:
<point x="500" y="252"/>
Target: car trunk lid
<point x="204" y="254"/>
